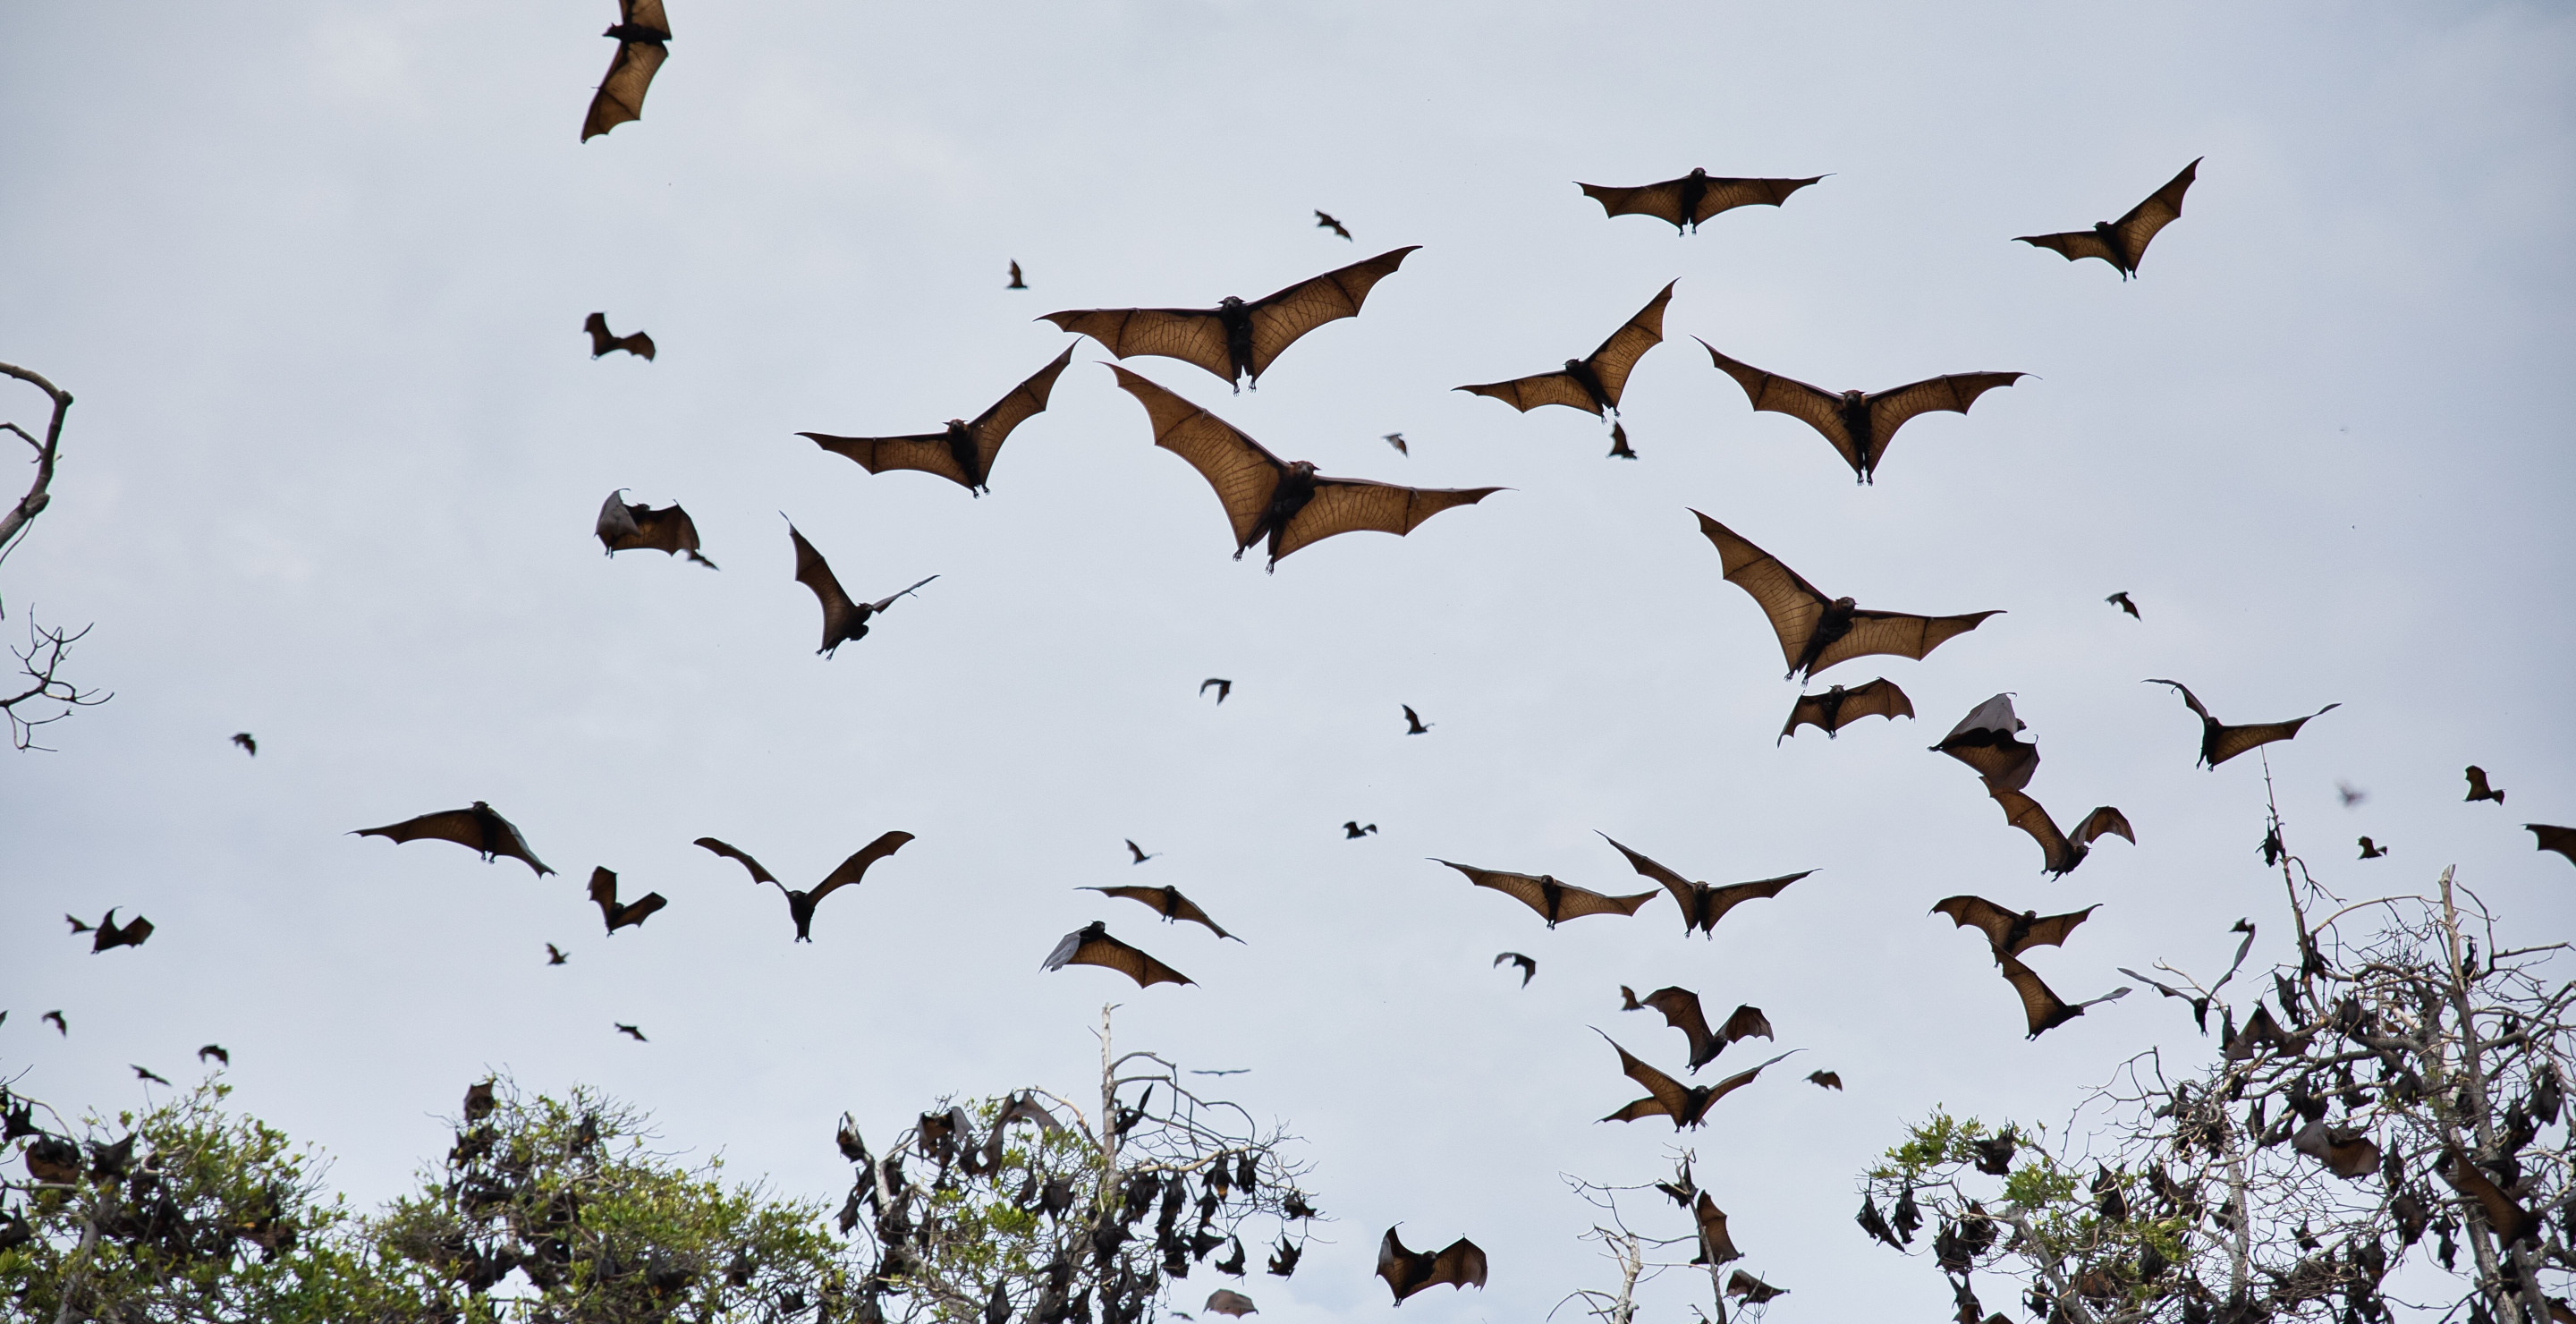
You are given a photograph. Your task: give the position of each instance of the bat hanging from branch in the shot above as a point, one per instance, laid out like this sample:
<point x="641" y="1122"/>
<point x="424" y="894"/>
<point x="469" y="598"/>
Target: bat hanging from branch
<point x="603" y="340"/>
<point x="1681" y="1010"/>
<point x="2123" y="243"/>
<point x="2041" y="1008"/>
<point x="1815" y="631"/>
<point x="2220" y="742"/>
<point x="1237" y="341"/>
<point x="1859" y="424"/>
<point x="964" y="453"/>
<point x="1837" y="708"/>
<point x="2010" y="934"/>
<point x="1286" y="502"/>
<point x="1092" y="945"/>
<point x="844" y="619"/>
<point x="1168" y="903"/>
<point x="1592" y="384"/>
<point x="603" y="892"/>
<point x="800" y="905"/>
<point x="478" y="829"/>
<point x="1554" y="901"/>
<point x="641" y="32"/>
<point x="625" y="528"/>
<point x="1702" y="905"/>
<point x="1715" y="1246"/>
<point x="1686" y="1105"/>
<point x="1989" y="740"/>
<point x="1693" y="198"/>
<point x="1460" y="1264"/>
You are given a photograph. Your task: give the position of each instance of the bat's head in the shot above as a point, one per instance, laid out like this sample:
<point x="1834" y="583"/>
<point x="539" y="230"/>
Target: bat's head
<point x="1230" y="303"/>
<point x="1301" y="469"/>
<point x="1574" y="366"/>
<point x="957" y="425"/>
<point x="1846" y="604"/>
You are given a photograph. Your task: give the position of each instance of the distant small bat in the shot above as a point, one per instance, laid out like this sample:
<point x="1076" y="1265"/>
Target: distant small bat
<point x="629" y="1030"/>
<point x="2371" y="852"/>
<point x="603" y="893"/>
<point x="1286" y="502"/>
<point x="1816" y="631"/>
<point x="625" y="528"/>
<point x="964" y="453"/>
<point x="1593" y="384"/>
<point x="1837" y="708"/>
<point x="641" y="32"/>
<point x="601" y="341"/>
<point x="1686" y="1105"/>
<point x="61" y="1026"/>
<point x="1859" y="424"/>
<point x="1989" y="740"/>
<point x="1702" y="905"/>
<point x="1226" y="1301"/>
<point x="1752" y="1290"/>
<point x="2010" y="934"/>
<point x="1681" y="1010"/>
<point x="1168" y="903"/>
<point x="2123" y="243"/>
<point x="1413" y="724"/>
<point x="1715" y="1246"/>
<point x="555" y="955"/>
<point x="2121" y="601"/>
<point x="1223" y="687"/>
<point x="1529" y="967"/>
<point x="146" y="1073"/>
<point x="2219" y="742"/>
<point x="1016" y="282"/>
<point x="2041" y="1007"/>
<point x="2350" y="794"/>
<point x="248" y="744"/>
<point x="1283" y="1260"/>
<point x="1396" y="439"/>
<point x="215" y="1051"/>
<point x="1092" y="945"/>
<point x="844" y="618"/>
<point x="1139" y="852"/>
<point x="2478" y="788"/>
<point x="2549" y="837"/>
<point x="1460" y="1264"/>
<point x="478" y="829"/>
<point x="1619" y="449"/>
<point x="2061" y="851"/>
<point x="1693" y="198"/>
<point x="1352" y="831"/>
<point x="1324" y="221"/>
<point x="800" y="905"/>
<point x="1826" y="1079"/>
<point x="1554" y="901"/>
<point x="1237" y="341"/>
<point x="106" y="935"/>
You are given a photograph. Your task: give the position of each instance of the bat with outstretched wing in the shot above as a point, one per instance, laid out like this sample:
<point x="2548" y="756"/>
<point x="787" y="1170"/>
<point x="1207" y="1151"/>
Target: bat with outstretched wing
<point x="1686" y="1105"/>
<point x="1460" y="1264"/>
<point x="108" y="935"/>
<point x="2123" y="243"/>
<point x="1815" y="631"/>
<point x="1702" y="905"/>
<point x="2010" y="934"/>
<point x="1168" y="903"/>
<point x="1595" y="383"/>
<point x="1681" y="1010"/>
<point x="1693" y="198"/>
<point x="603" y="340"/>
<point x="1989" y="740"/>
<point x="1554" y="901"/>
<point x="2551" y="837"/>
<point x="625" y="528"/>
<point x="844" y="618"/>
<point x="1837" y="708"/>
<point x="1528" y="967"/>
<point x="963" y="454"/>
<point x="642" y="32"/>
<point x="2220" y="742"/>
<point x="1286" y="502"/>
<point x="2060" y="851"/>
<point x="800" y="904"/>
<point x="1859" y="424"/>
<point x="603" y="891"/>
<point x="1236" y="340"/>
<point x="1092" y="945"/>
<point x="2041" y="1007"/>
<point x="477" y="828"/>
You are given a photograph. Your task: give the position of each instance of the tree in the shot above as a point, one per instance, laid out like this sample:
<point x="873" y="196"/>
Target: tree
<point x="41" y="662"/>
<point x="1641" y="1258"/>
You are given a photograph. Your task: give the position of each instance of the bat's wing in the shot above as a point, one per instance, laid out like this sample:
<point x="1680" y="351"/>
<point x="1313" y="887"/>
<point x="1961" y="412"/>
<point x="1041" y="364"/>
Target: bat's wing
<point x="1279" y="319"/>
<point x="601" y="341"/>
<point x="1682" y="1012"/>
<point x="630" y="72"/>
<point x="1521" y="887"/>
<point x="1129" y="961"/>
<point x="461" y="826"/>
<point x="1897" y="634"/>
<point x="856" y="867"/>
<point x="840" y="614"/>
<point x="1724" y="899"/>
<point x="889" y="600"/>
<point x="1152" y="896"/>
<point x="1814" y="406"/>
<point x="1578" y="902"/>
<point x="1546" y="388"/>
<point x="1725" y="194"/>
<point x="1351" y="505"/>
<point x="992" y="427"/>
<point x="925" y="452"/>
<point x="2073" y="245"/>
<point x="603" y="893"/>
<point x="2023" y="812"/>
<point x="2189" y="700"/>
<point x="1742" y="1078"/>
<point x="1662" y="201"/>
<point x="1808" y="710"/>
<point x="1681" y="888"/>
<point x="1888" y="410"/>
<point x="1715" y="1247"/>
<point x="758" y="874"/>
<point x="1793" y="604"/>
<point x="666" y="530"/>
<point x="2226" y="742"/>
<point x="2041" y="1007"/>
<point x="1976" y="912"/>
<point x="1185" y="909"/>
<point x="2162" y="208"/>
<point x="1242" y="471"/>
<point x="1997" y="756"/>
<point x="1665" y="1096"/>
<point x="2548" y="836"/>
<point x="2103" y="820"/>
<point x="2508" y="1220"/>
<point x="2051" y="931"/>
<point x="1193" y="335"/>
<point x="1460" y="1264"/>
<point x="1618" y="355"/>
<point x="1747" y="1022"/>
<point x="1879" y="698"/>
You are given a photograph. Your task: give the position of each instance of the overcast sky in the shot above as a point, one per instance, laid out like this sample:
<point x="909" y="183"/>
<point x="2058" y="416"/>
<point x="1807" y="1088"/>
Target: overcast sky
<point x="317" y="271"/>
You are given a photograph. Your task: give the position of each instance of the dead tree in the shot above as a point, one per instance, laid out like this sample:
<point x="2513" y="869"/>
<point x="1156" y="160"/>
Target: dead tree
<point x="1639" y="1258"/>
<point x="41" y="661"/>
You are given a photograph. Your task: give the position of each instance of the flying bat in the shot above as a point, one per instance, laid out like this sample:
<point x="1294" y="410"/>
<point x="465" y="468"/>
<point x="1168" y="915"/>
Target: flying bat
<point x="2549" y="837"/>
<point x="1693" y="198"/>
<point x="1554" y="901"/>
<point x="640" y="32"/>
<point x="1687" y="1105"/>
<point x="1223" y="687"/>
<point x="1529" y="967"/>
<point x="1831" y="1080"/>
<point x="1139" y="852"/>
<point x="1837" y="708"/>
<point x="1092" y="945"/>
<point x="1227" y="1301"/>
<point x="2060" y="851"/>
<point x="2349" y="1155"/>
<point x="1352" y="831"/>
<point x="2123" y="243"/>
<point x="1988" y="740"/>
<point x="2041" y="1007"/>
<point x="1702" y="905"/>
<point x="478" y="829"/>
<point x="1591" y="384"/>
<point x="2219" y="742"/>
<point x="555" y="955"/>
<point x="603" y="891"/>
<point x="1016" y="282"/>
<point x="1396" y="439"/>
<point x="1753" y="1290"/>
<point x="1815" y="631"/>
<point x="844" y="620"/>
<point x="963" y="454"/>
<point x="146" y="1073"/>
<point x="629" y="1030"/>
<point x="2010" y="934"/>
<point x="2350" y="794"/>
<point x="1715" y="1246"/>
<point x="61" y="1026"/>
<point x="2478" y="788"/>
<point x="800" y="905"/>
<point x="625" y="528"/>
<point x="1859" y="424"/>
<point x="106" y="935"/>
<point x="1681" y="1010"/>
<point x="1168" y="903"/>
<point x="601" y="340"/>
<point x="1413" y="723"/>
<point x="1235" y="340"/>
<point x="1460" y="1264"/>
<point x="2370" y="851"/>
<point x="1324" y="221"/>
<point x="2121" y="601"/>
<point x="248" y="744"/>
<point x="1619" y="448"/>
<point x="1265" y="496"/>
<point x="215" y="1051"/>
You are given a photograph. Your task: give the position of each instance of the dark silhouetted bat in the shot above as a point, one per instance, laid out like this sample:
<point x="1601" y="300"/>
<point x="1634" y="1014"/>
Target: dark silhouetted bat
<point x="601" y="341"/>
<point x="249" y="745"/>
<point x="1324" y="221"/>
<point x="1168" y="903"/>
<point x="1223" y="687"/>
<point x="1529" y="967"/>
<point x="1702" y="905"/>
<point x="1687" y="1105"/>
<point x="2371" y="852"/>
<point x="1831" y="1080"/>
<point x="1994" y="1157"/>
<point x="1139" y="852"/>
<point x="1619" y="448"/>
<point x="555" y="955"/>
<point x="1283" y="1261"/>
<point x="1016" y="282"/>
<point x="1815" y="631"/>
<point x="61" y="1026"/>
<point x="640" y="32"/>
<point x="1681" y="1010"/>
<point x="2219" y="742"/>
<point x="1837" y="708"/>
<point x="1289" y="503"/>
<point x="1987" y="739"/>
<point x="1859" y="424"/>
<point x="2007" y="933"/>
<point x="2510" y="1222"/>
<point x="1753" y="1290"/>
<point x="1092" y="945"/>
<point x="1226" y="1301"/>
<point x="2478" y="788"/>
<point x="2041" y="1007"/>
<point x="1693" y="198"/>
<point x="800" y="905"/>
<point x="106" y="935"/>
<point x="1715" y="1246"/>
<point x="2351" y="794"/>
<point x="1592" y="384"/>
<point x="626" y="1029"/>
<point x="844" y="619"/>
<point x="625" y="528"/>
<point x="964" y="453"/>
<point x="1460" y="1264"/>
<point x="603" y="893"/>
<point x="1352" y="831"/>
<point x="2123" y="242"/>
<point x="1396" y="439"/>
<point x="2349" y="1155"/>
<point x="478" y="829"/>
<point x="1413" y="724"/>
<point x="2121" y="601"/>
<point x="2551" y="837"/>
<point x="215" y="1051"/>
<point x="1682" y="1188"/>
<point x="1235" y="340"/>
<point x="2060" y="851"/>
<point x="1554" y="901"/>
<point x="146" y="1073"/>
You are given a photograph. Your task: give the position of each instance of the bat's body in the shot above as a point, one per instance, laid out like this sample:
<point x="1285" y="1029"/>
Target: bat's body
<point x="603" y="340"/>
<point x="2010" y="934"/>
<point x="642" y="32"/>
<point x="1619" y="448"/>
<point x="1413" y="722"/>
<point x="844" y="618"/>
<point x="1988" y="740"/>
<point x="2060" y="851"/>
<point x="2346" y="1154"/>
<point x="477" y="828"/>
<point x="1325" y="221"/>
<point x="1681" y="1010"/>
<point x="1266" y="497"/>
<point x="1460" y="1264"/>
<point x="1352" y="831"/>
<point x="1237" y="341"/>
<point x="1139" y="852"/>
<point x="1092" y="945"/>
<point x="2121" y="601"/>
<point x="249" y="744"/>
<point x="555" y="955"/>
<point x="2370" y="851"/>
<point x="147" y="1073"/>
<point x="106" y="935"/>
<point x="1168" y="903"/>
<point x="1529" y="967"/>
<point x="1693" y="198"/>
<point x="1715" y="1246"/>
<point x="2478" y="788"/>
<point x="603" y="892"/>
<point x="800" y="904"/>
<point x="1223" y="687"/>
<point x="1554" y="901"/>
<point x="631" y="1032"/>
<point x="2220" y="742"/>
<point x="2511" y="1223"/>
<point x="2123" y="243"/>
<point x="1816" y="631"/>
<point x="1228" y="1302"/>
<point x="1702" y="905"/>
<point x="1859" y="424"/>
<point x="963" y="453"/>
<point x="1686" y="1105"/>
<point x="1831" y="1080"/>
<point x="1016" y="282"/>
<point x="625" y="528"/>
<point x="215" y="1051"/>
<point x="1837" y="708"/>
<point x="1592" y="384"/>
<point x="2041" y="1008"/>
<point x="61" y="1026"/>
